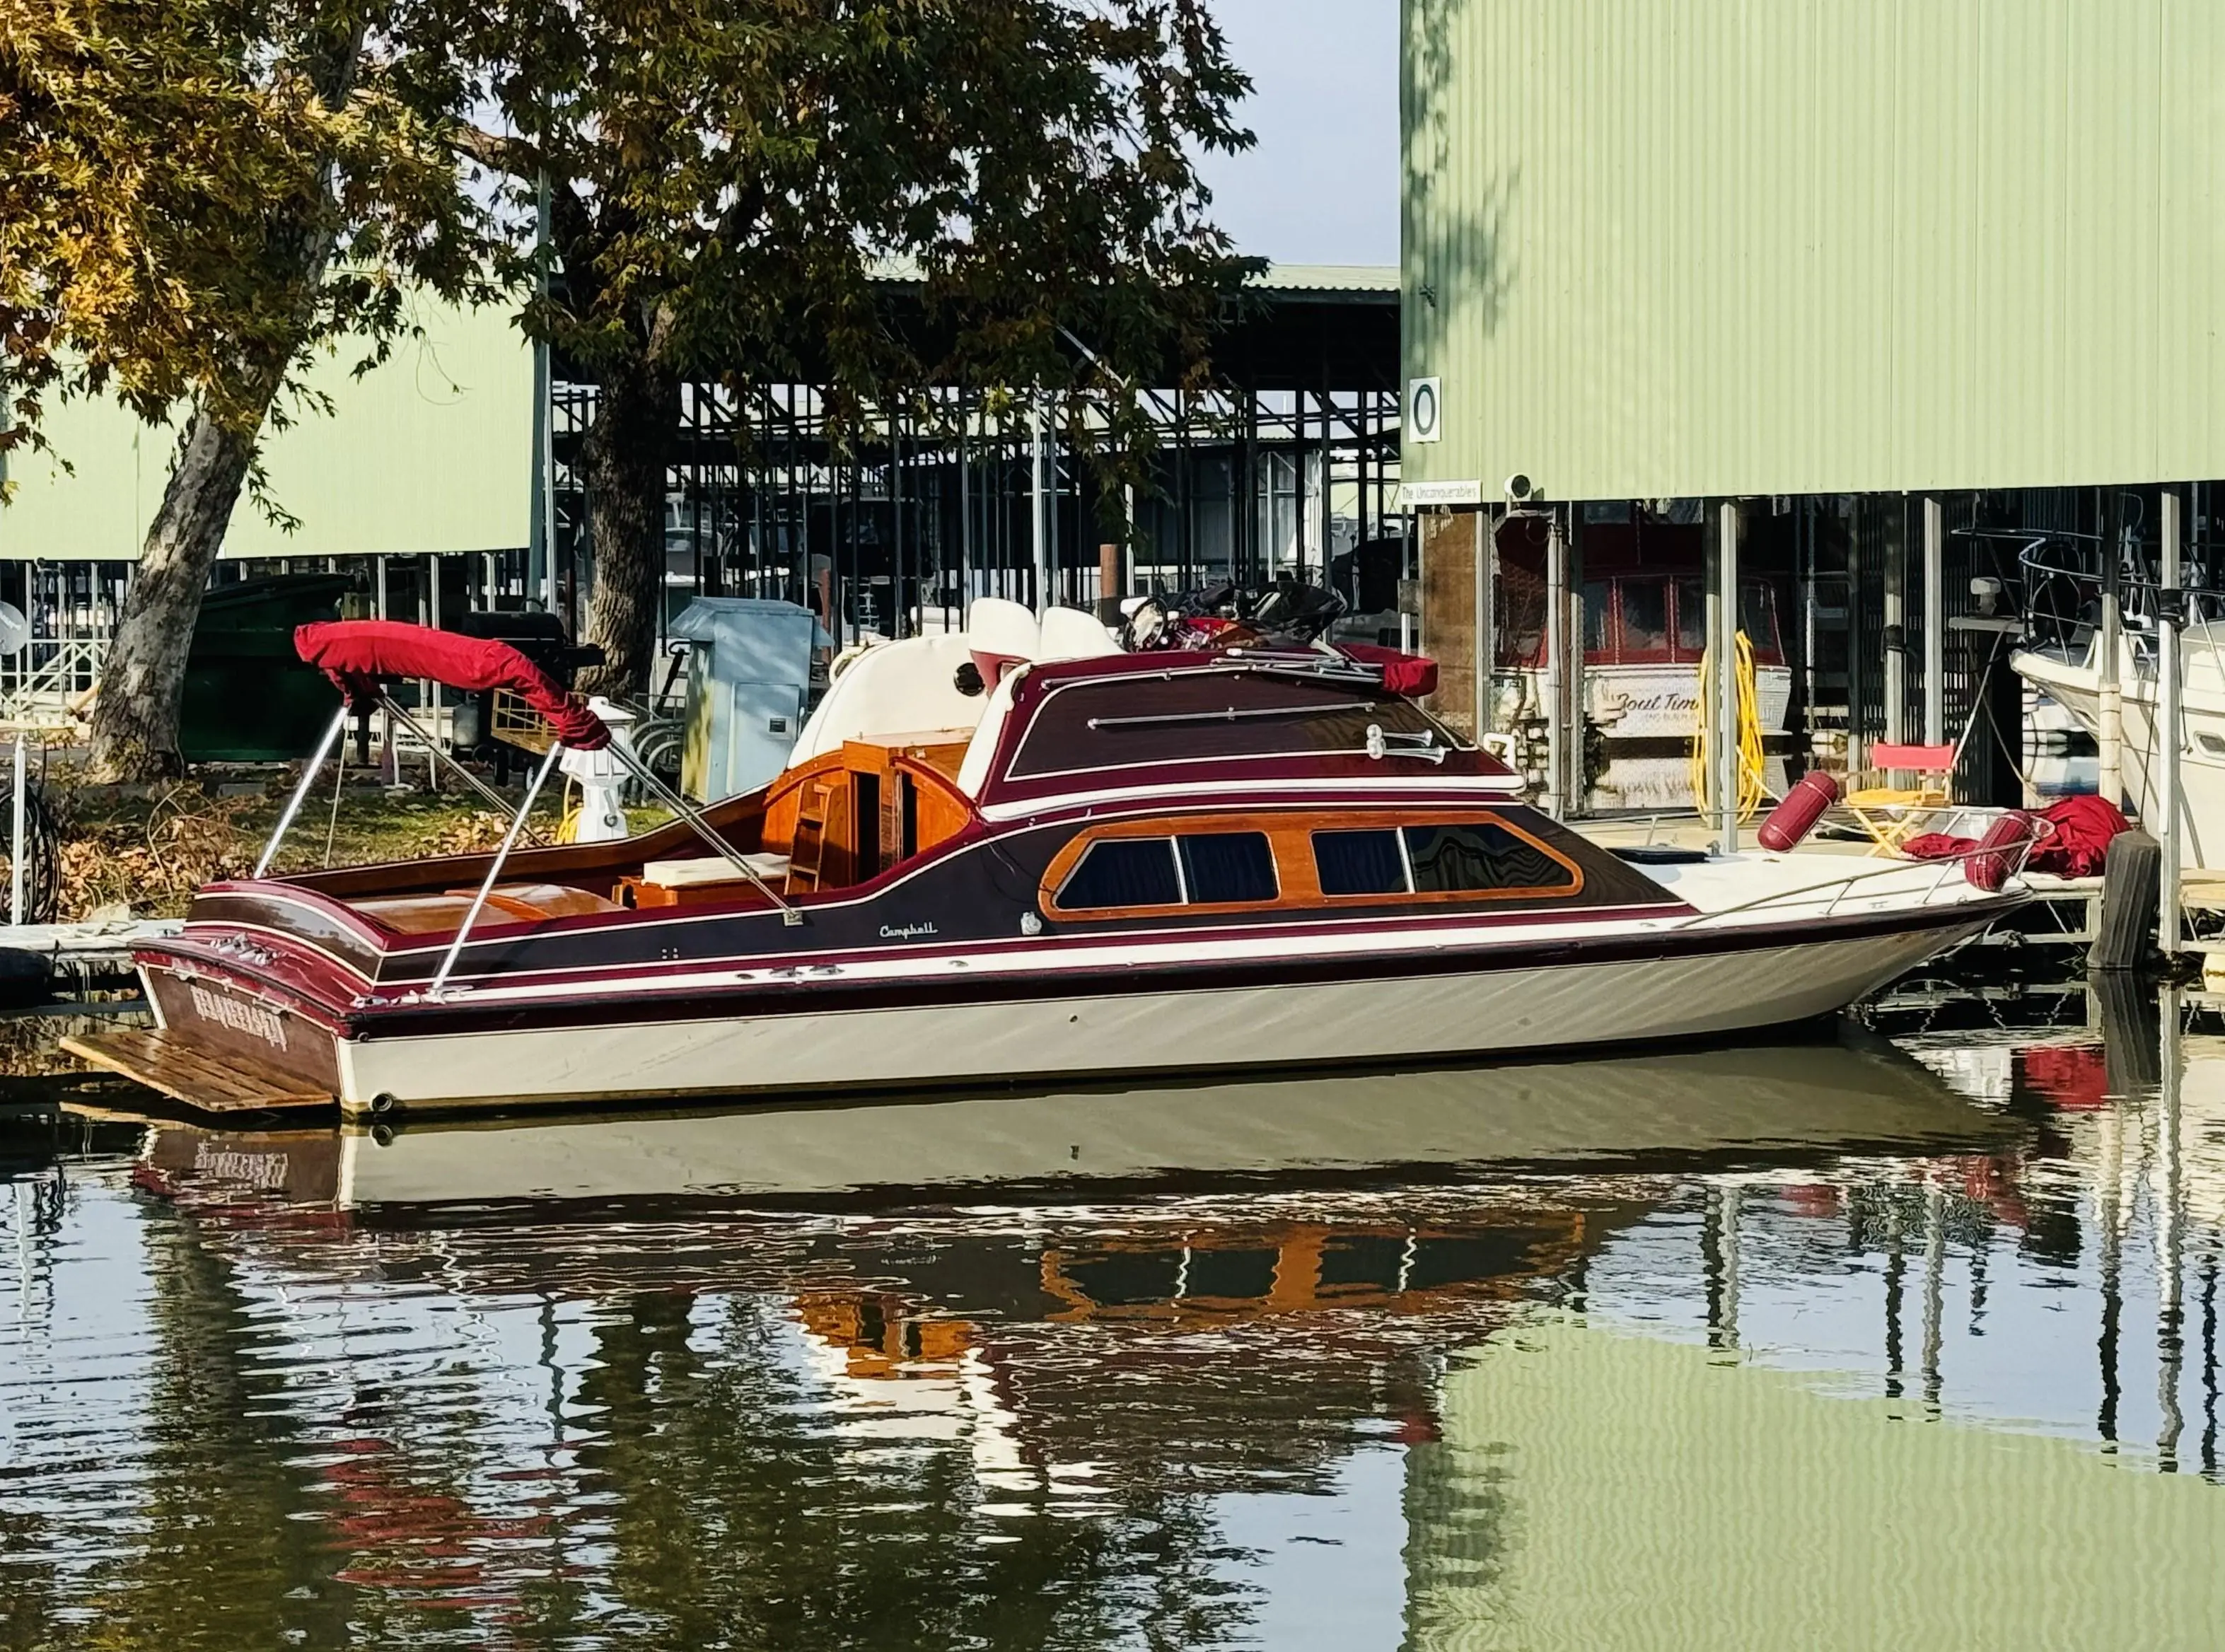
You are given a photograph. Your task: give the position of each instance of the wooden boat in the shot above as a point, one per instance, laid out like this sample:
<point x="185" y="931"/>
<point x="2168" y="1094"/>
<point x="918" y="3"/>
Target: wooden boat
<point x="1106" y="864"/>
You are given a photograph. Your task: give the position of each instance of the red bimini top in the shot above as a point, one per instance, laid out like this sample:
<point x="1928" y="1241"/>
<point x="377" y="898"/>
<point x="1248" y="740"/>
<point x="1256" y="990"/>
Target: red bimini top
<point x="356" y="653"/>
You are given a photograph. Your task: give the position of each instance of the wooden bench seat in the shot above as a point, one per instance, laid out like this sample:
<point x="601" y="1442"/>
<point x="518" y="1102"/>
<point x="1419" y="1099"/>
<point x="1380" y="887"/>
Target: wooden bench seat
<point x="701" y="880"/>
<point x="506" y="903"/>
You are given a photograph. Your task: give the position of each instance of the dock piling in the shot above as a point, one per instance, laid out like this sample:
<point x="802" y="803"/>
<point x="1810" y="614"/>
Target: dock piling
<point x="2131" y="880"/>
<point x="2168" y="732"/>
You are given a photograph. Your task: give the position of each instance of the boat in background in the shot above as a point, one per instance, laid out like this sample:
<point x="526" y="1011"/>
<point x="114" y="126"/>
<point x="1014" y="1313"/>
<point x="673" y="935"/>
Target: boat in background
<point x="1645" y="611"/>
<point x="2073" y="682"/>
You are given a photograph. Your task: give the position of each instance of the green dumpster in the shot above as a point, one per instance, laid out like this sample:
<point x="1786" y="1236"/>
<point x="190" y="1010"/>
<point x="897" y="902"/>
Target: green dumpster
<point x="249" y="698"/>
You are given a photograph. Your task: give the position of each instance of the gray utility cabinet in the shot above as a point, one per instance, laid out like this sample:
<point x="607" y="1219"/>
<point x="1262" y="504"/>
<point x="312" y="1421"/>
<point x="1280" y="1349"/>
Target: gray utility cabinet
<point x="749" y="676"/>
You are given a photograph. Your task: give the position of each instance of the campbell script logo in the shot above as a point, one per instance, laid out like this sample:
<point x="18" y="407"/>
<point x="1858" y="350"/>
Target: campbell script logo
<point x="250" y="1018"/>
<point x="906" y="932"/>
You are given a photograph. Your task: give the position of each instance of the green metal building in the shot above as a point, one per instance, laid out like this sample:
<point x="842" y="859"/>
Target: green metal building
<point x="1696" y="247"/>
<point x="1885" y="292"/>
<point x="431" y="451"/>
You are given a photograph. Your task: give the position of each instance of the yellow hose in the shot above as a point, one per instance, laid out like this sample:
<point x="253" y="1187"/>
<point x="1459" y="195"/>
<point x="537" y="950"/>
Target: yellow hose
<point x="1752" y="789"/>
<point x="567" y="828"/>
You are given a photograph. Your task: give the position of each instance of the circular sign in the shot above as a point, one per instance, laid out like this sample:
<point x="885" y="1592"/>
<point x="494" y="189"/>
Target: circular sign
<point x="1423" y="397"/>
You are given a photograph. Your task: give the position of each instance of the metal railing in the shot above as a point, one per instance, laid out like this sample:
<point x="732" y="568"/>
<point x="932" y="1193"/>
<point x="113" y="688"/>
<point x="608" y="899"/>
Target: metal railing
<point x="1843" y="884"/>
<point x="45" y="683"/>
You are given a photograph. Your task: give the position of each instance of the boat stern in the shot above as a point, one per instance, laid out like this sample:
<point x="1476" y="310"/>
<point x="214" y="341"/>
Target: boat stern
<point x="249" y="1016"/>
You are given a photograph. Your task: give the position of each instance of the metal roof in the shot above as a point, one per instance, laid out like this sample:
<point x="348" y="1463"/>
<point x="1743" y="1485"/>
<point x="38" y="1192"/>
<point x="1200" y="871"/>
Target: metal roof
<point x="1373" y="280"/>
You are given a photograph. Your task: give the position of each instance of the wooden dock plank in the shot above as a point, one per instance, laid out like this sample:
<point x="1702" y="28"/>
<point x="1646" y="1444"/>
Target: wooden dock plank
<point x="188" y="1072"/>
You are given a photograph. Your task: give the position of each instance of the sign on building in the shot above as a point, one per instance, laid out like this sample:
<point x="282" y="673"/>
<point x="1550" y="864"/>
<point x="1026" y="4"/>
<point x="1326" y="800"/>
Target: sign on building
<point x="1424" y="408"/>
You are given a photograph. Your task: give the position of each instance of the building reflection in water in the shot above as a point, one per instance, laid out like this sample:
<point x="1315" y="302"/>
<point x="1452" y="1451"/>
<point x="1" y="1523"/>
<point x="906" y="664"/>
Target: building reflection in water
<point x="1815" y="1345"/>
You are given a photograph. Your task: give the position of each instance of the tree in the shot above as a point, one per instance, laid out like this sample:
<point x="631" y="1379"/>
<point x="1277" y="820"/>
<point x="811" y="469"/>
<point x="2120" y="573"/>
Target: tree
<point x="194" y="194"/>
<point x="729" y="177"/>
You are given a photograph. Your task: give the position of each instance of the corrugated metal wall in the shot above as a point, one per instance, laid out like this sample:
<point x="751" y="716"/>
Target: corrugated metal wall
<point x="431" y="450"/>
<point x="1690" y="247"/>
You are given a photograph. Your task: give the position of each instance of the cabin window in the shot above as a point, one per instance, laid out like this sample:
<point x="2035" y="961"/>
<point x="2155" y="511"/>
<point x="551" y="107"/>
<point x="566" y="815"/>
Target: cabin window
<point x="1447" y="859"/>
<point x="1360" y="863"/>
<point x="1471" y="858"/>
<point x="1124" y="872"/>
<point x="1758" y="616"/>
<point x="1228" y="868"/>
<point x="1599" y="602"/>
<point x="1644" y="616"/>
<point x="1691" y="617"/>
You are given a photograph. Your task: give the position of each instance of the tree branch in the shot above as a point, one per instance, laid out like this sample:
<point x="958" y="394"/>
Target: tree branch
<point x="513" y="155"/>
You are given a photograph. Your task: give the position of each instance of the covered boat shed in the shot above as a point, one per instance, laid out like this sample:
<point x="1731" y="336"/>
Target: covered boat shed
<point x="434" y="480"/>
<point x="1874" y="290"/>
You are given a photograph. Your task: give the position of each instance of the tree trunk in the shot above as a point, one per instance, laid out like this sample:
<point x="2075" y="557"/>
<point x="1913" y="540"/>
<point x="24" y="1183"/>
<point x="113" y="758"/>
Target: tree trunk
<point x="134" y="715"/>
<point x="135" y="718"/>
<point x="625" y="456"/>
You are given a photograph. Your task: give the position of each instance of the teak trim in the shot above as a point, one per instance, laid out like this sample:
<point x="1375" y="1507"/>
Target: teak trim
<point x="1290" y="839"/>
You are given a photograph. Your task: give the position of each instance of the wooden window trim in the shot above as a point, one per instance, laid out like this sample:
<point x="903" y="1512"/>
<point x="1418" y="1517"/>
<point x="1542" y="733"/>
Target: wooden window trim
<point x="1290" y="839"/>
<point x="1067" y="858"/>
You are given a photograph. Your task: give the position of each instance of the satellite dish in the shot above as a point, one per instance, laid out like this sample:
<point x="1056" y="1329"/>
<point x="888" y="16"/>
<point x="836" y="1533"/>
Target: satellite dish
<point x="15" y="629"/>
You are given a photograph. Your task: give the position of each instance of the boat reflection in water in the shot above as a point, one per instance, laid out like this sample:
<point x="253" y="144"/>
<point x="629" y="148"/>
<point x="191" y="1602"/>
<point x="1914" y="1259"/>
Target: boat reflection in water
<point x="1764" y="1100"/>
<point x="1680" y="1351"/>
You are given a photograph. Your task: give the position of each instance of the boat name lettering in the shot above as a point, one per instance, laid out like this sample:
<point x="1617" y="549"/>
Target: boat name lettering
<point x="907" y="931"/>
<point x="1666" y="700"/>
<point x="250" y="1018"/>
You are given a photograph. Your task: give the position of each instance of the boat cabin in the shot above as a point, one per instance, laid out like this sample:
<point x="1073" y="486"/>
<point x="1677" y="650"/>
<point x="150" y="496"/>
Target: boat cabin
<point x="1644" y="597"/>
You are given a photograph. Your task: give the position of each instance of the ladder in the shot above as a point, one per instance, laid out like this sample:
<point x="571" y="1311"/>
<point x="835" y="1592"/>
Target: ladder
<point x="807" y="854"/>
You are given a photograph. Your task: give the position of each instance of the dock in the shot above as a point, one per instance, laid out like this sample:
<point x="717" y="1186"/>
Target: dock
<point x="93" y="955"/>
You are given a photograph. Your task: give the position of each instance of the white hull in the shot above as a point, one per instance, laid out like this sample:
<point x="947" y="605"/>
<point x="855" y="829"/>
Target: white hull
<point x="2077" y="688"/>
<point x="1476" y="1011"/>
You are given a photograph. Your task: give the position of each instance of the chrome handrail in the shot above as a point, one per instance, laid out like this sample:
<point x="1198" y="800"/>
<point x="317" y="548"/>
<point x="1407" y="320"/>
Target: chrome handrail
<point x="1845" y="882"/>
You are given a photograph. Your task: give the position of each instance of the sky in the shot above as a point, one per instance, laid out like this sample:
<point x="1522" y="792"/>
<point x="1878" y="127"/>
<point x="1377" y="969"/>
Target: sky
<point x="1322" y="184"/>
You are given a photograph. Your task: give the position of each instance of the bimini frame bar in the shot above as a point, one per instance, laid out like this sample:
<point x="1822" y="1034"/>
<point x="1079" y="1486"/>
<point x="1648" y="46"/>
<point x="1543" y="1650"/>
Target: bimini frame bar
<point x="324" y="750"/>
<point x="494" y="869"/>
<point x="642" y="772"/>
<point x="302" y="792"/>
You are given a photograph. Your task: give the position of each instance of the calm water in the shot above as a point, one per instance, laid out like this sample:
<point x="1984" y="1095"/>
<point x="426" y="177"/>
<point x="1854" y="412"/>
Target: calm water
<point x="1855" y="1344"/>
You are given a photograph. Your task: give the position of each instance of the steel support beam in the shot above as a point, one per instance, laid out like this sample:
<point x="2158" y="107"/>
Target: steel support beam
<point x="1935" y="621"/>
<point x="1556" y="666"/>
<point x="1722" y="695"/>
<point x="2167" y="720"/>
<point x="1896" y="629"/>
<point x="2111" y="735"/>
<point x="1484" y="636"/>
